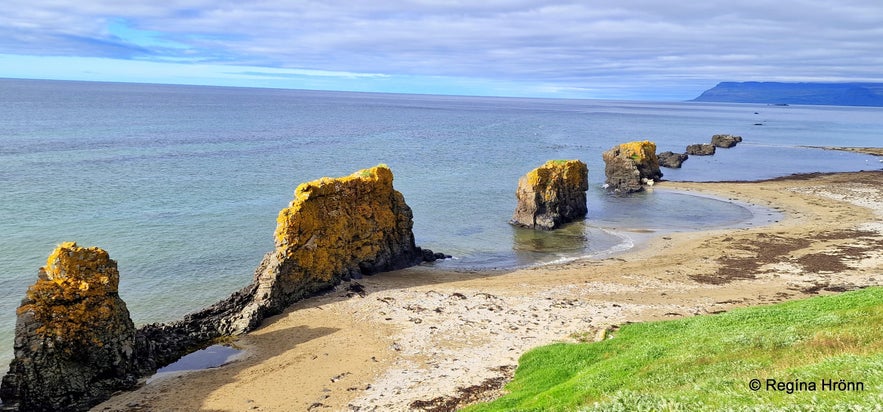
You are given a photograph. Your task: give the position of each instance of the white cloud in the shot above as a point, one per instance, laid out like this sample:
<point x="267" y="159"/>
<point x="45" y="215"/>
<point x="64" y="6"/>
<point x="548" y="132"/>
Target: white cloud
<point x="550" y="44"/>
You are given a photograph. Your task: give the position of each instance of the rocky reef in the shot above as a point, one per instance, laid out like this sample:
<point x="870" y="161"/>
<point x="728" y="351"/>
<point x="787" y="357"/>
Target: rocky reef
<point x="725" y="141"/>
<point x="672" y="160"/>
<point x="630" y="166"/>
<point x="75" y="343"/>
<point x="551" y="195"/>
<point x="700" y="149"/>
<point x="74" y="339"/>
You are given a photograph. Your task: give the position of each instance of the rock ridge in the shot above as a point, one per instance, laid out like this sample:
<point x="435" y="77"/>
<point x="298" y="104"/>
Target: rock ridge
<point x="75" y="342"/>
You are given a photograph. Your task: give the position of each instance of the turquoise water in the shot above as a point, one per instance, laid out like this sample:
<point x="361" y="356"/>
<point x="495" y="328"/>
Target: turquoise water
<point x="182" y="184"/>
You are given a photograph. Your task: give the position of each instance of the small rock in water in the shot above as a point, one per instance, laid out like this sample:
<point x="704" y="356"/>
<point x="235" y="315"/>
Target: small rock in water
<point x="725" y="140"/>
<point x="672" y="160"/>
<point x="700" y="149"/>
<point x="428" y="255"/>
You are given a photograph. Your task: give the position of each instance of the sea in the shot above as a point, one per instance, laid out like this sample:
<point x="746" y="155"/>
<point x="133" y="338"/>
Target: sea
<point x="182" y="184"/>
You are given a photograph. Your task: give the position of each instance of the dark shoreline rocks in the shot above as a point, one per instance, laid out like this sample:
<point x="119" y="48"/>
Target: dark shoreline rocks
<point x="725" y="141"/>
<point x="672" y="160"/>
<point x="429" y="256"/>
<point x="701" y="149"/>
<point x="552" y="195"/>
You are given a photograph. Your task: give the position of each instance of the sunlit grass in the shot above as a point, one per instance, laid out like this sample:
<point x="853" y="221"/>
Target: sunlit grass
<point x="706" y="362"/>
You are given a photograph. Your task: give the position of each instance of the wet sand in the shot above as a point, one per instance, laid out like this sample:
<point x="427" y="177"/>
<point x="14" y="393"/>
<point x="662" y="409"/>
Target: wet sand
<point x="426" y="338"/>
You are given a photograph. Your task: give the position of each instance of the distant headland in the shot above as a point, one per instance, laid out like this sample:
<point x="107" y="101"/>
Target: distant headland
<point x="834" y="94"/>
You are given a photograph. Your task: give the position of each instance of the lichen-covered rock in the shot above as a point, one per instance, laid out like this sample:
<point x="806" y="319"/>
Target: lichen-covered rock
<point x="74" y="339"/>
<point x="672" y="160"/>
<point x="333" y="229"/>
<point x="703" y="149"/>
<point x="75" y="344"/>
<point x="551" y="195"/>
<point x="629" y="165"/>
<point x="725" y="141"/>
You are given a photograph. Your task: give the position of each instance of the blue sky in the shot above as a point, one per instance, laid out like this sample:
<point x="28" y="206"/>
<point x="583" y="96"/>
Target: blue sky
<point x="628" y="49"/>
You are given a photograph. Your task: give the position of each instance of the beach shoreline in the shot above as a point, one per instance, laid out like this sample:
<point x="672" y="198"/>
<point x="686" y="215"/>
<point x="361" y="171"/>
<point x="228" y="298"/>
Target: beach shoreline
<point x="422" y="338"/>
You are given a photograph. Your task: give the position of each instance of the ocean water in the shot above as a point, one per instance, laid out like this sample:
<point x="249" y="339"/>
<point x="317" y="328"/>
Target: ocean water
<point x="182" y="184"/>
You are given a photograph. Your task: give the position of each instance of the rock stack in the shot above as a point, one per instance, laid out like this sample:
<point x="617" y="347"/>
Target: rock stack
<point x="334" y="229"/>
<point x="74" y="339"/>
<point x="551" y="195"/>
<point x="630" y="166"/>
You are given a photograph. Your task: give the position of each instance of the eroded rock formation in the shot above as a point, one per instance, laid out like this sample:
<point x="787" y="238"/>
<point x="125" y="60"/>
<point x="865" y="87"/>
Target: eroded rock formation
<point x="725" y="141"/>
<point x="631" y="165"/>
<point x="75" y="344"/>
<point x="551" y="195"/>
<point x="334" y="229"/>
<point x="702" y="149"/>
<point x="672" y="160"/>
<point x="74" y="339"/>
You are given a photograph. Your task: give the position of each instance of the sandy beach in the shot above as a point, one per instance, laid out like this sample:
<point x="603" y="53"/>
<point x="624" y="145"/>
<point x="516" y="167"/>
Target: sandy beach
<point x="426" y="338"/>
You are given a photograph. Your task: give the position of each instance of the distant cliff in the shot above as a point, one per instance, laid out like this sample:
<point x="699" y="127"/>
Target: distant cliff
<point x="834" y="94"/>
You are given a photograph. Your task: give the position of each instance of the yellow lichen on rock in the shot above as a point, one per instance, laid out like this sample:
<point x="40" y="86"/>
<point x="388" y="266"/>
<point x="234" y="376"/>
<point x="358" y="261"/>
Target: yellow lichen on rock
<point x="74" y="339"/>
<point x="88" y="269"/>
<point x="75" y="296"/>
<point x="629" y="165"/>
<point x="639" y="151"/>
<point x="334" y="224"/>
<point x="551" y="195"/>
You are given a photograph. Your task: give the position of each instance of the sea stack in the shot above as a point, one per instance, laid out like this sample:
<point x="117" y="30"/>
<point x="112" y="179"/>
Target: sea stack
<point x="630" y="166"/>
<point x="74" y="339"/>
<point x="334" y="229"/>
<point x="551" y="195"/>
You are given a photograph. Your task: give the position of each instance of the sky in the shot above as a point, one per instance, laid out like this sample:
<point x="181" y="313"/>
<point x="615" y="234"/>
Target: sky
<point x="625" y="49"/>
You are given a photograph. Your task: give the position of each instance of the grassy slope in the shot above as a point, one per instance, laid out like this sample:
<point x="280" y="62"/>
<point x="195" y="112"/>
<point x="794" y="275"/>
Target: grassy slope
<point x="706" y="362"/>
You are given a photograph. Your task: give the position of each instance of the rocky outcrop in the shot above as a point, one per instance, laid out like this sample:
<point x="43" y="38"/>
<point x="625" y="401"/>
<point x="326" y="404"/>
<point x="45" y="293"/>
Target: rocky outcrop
<point x="551" y="195"/>
<point x="334" y="229"/>
<point x="703" y="149"/>
<point x="725" y="141"/>
<point x="428" y="255"/>
<point x="74" y="339"/>
<point x="75" y="343"/>
<point x="672" y="160"/>
<point x="630" y="166"/>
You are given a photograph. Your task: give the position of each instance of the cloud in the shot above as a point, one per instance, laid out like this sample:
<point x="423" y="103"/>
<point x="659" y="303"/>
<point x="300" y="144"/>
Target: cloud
<point x="550" y="45"/>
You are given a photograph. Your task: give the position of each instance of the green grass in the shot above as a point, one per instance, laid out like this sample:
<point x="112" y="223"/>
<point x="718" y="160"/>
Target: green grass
<point x="706" y="362"/>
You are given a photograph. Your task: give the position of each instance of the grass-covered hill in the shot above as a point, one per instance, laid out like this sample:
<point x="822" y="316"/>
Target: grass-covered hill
<point x="818" y="354"/>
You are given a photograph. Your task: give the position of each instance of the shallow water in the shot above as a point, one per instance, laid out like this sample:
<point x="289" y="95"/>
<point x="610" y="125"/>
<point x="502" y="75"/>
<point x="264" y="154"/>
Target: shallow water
<point x="210" y="357"/>
<point x="182" y="184"/>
